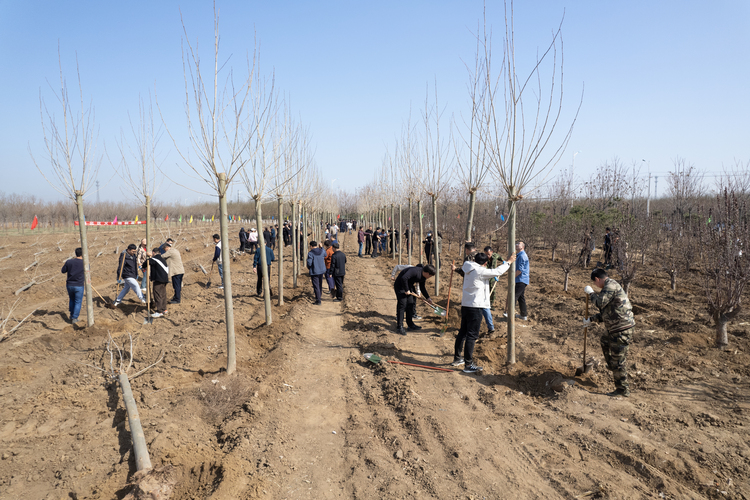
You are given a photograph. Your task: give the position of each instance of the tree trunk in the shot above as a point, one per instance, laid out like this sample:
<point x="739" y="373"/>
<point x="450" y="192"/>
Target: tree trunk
<point x="421" y="230"/>
<point x="554" y="252"/>
<point x="280" y="241"/>
<point x="148" y="223"/>
<point x="86" y="261"/>
<point x="263" y="262"/>
<point x="140" y="450"/>
<point x="226" y="263"/>
<point x="400" y="233"/>
<point x="722" y="340"/>
<point x="295" y="244"/>
<point x="470" y="216"/>
<point x="411" y="236"/>
<point x="436" y="245"/>
<point x="673" y="280"/>
<point x="511" y="304"/>
<point x="565" y="282"/>
<point x="305" y="243"/>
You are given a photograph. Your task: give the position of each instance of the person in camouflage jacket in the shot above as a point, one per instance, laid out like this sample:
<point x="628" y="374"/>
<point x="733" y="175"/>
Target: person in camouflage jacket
<point x="616" y="313"/>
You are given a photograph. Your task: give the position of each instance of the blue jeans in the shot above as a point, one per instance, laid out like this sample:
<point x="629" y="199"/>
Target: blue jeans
<point x="221" y="272"/>
<point x="144" y="281"/>
<point x="487" y="313"/>
<point x="75" y="294"/>
<point x="360" y="249"/>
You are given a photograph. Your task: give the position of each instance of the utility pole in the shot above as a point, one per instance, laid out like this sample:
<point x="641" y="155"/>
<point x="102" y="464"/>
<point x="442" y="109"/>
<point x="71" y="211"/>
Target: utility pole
<point x="648" y="198"/>
<point x="98" y="200"/>
<point x="656" y="186"/>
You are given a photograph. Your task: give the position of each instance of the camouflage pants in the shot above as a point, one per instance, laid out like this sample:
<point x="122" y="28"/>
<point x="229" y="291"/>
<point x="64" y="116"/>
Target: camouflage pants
<point x="615" y="349"/>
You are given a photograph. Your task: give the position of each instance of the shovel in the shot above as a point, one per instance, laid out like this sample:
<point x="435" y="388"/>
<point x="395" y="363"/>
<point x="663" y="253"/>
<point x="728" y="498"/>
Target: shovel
<point x="148" y="320"/>
<point x="586" y="367"/>
<point x="107" y="304"/>
<point x="448" y="306"/>
<point x="375" y="359"/>
<point x="435" y="308"/>
<point x="208" y="283"/>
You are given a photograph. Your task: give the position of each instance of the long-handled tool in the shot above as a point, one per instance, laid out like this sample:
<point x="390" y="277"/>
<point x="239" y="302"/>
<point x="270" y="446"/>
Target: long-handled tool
<point x="106" y="302"/>
<point x="208" y="283"/>
<point x="448" y="305"/>
<point x="148" y="320"/>
<point x="585" y="368"/>
<point x="374" y="358"/>
<point x="435" y="308"/>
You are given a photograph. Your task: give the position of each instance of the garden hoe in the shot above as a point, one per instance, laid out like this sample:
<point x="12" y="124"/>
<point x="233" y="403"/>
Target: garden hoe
<point x="106" y="302"/>
<point x="375" y="359"/>
<point x="448" y="306"/>
<point x="586" y="367"/>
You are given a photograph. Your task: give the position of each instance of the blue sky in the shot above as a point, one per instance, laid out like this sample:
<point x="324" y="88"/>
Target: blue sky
<point x="662" y="79"/>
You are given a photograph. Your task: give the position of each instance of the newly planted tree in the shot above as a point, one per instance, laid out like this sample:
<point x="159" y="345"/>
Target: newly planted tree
<point x="70" y="149"/>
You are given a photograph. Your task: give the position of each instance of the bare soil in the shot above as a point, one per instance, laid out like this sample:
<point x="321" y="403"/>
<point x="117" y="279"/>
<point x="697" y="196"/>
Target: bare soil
<point x="306" y="416"/>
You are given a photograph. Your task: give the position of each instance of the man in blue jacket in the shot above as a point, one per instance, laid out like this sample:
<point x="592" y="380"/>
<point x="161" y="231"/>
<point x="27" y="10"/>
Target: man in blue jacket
<point x="316" y="264"/>
<point x="522" y="280"/>
<point x="256" y="264"/>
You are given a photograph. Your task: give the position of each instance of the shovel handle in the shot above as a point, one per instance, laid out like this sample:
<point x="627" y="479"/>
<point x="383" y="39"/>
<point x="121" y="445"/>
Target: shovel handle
<point x="421" y="366"/>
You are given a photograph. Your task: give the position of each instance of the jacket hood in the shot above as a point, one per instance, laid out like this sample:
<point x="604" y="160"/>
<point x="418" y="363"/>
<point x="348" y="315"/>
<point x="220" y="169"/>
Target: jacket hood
<point x="318" y="251"/>
<point x="242" y="229"/>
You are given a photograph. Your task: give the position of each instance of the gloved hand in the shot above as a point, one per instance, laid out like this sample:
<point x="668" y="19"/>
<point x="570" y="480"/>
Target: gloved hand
<point x="588" y="290"/>
<point x="586" y="322"/>
<point x="496" y="278"/>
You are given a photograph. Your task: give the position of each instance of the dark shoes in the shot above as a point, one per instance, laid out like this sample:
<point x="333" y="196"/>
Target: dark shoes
<point x="316" y="303"/>
<point x="414" y="328"/>
<point x="174" y="301"/>
<point x="619" y="393"/>
<point x="401" y="331"/>
<point x="472" y="368"/>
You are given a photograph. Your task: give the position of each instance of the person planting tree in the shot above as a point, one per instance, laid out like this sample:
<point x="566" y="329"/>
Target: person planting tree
<point x="405" y="289"/>
<point x="616" y="313"/>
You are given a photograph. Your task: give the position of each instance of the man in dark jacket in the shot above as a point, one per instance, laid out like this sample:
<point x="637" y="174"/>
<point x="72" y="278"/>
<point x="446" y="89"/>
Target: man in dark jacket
<point x="129" y="268"/>
<point x="368" y="240"/>
<point x="74" y="283"/>
<point x="338" y="270"/>
<point x="616" y="313"/>
<point x="159" y="276"/>
<point x="243" y="239"/>
<point x="405" y="288"/>
<point x="256" y="265"/>
<point x="360" y="240"/>
<point x="316" y="264"/>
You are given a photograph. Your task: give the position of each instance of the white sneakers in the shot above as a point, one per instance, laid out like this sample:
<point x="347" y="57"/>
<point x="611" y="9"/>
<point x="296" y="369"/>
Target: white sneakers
<point x="156" y="315"/>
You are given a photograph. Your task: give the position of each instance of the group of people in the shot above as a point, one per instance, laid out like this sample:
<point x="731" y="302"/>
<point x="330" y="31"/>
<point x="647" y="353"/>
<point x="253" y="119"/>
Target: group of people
<point x="137" y="266"/>
<point x="326" y="261"/>
<point x="249" y="239"/>
<point x="481" y="272"/>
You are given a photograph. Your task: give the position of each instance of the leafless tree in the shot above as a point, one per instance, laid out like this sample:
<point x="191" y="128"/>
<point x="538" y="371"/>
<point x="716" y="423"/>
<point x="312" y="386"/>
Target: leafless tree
<point x="524" y="142"/>
<point x="70" y="149"/>
<point x="727" y="265"/>
<point x="684" y="185"/>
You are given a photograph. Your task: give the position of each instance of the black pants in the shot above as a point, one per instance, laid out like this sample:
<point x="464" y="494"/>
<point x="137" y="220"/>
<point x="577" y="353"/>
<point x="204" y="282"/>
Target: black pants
<point x="471" y="321"/>
<point x="405" y="304"/>
<point x="339" y="281"/>
<point x="368" y="245"/>
<point x="259" y="284"/>
<point x="317" y="283"/>
<point x="521" y="298"/>
<point x="177" y="285"/>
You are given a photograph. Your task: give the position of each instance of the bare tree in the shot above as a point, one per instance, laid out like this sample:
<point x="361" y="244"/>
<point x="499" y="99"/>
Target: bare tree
<point x="727" y="266"/>
<point x="70" y="148"/>
<point x="139" y="164"/>
<point x="736" y="179"/>
<point x="684" y="185"/>
<point x="218" y="134"/>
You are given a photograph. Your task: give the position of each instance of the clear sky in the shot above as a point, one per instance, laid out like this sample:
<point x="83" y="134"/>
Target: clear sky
<point x="662" y="78"/>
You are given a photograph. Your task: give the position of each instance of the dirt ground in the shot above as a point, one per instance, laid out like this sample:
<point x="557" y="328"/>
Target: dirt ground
<point x="306" y="416"/>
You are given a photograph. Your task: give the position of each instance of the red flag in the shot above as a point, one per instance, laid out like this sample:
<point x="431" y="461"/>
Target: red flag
<point x="167" y="217"/>
<point x="34" y="223"/>
<point x="115" y="221"/>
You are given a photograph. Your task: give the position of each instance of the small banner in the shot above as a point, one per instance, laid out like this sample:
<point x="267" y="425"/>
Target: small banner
<point x="34" y="223"/>
<point x="120" y="223"/>
<point x="136" y="218"/>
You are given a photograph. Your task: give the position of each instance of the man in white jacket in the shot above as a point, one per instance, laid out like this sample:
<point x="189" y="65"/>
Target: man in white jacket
<point x="476" y="298"/>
